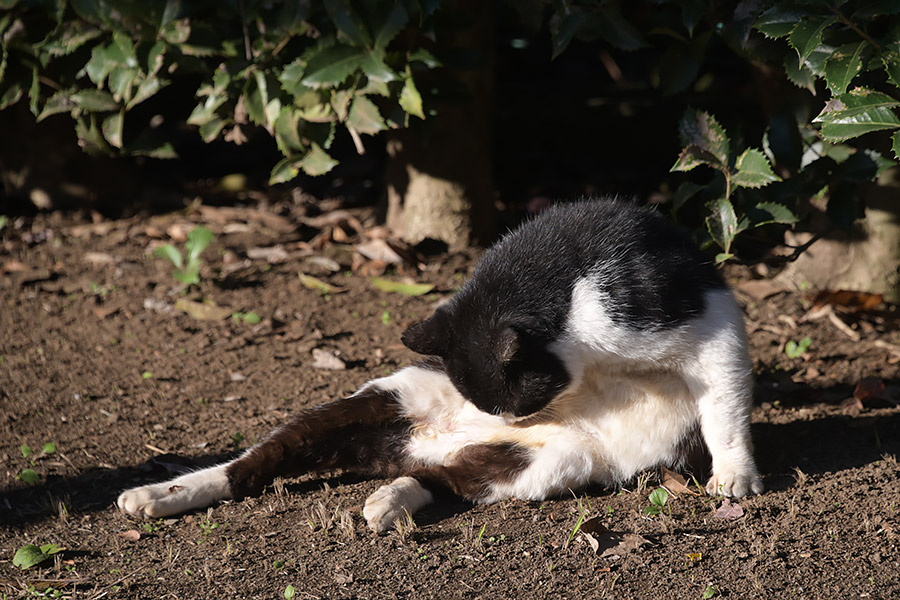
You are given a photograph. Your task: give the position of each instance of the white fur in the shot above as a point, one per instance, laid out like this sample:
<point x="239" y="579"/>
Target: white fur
<point x="391" y="502"/>
<point x="193" y="490"/>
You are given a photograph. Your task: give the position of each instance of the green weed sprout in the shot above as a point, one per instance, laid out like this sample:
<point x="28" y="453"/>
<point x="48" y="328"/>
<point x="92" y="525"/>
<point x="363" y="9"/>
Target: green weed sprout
<point x="658" y="499"/>
<point x="796" y="349"/>
<point x="187" y="269"/>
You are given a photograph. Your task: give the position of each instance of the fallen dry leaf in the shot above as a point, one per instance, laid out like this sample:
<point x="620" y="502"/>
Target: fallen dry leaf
<point x="272" y="254"/>
<point x="729" y="510"/>
<point x="675" y="483"/>
<point x="848" y="300"/>
<point x="609" y="543"/>
<point x="98" y="258"/>
<point x="324" y="359"/>
<point x="132" y="535"/>
<point x="870" y="392"/>
<point x="320" y="286"/>
<point x="202" y="311"/>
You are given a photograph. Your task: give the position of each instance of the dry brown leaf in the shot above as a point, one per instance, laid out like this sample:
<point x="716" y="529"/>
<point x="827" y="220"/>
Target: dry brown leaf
<point x="609" y="543"/>
<point x="870" y="392"/>
<point x="729" y="510"/>
<point x="848" y="300"/>
<point x="202" y="311"/>
<point x="98" y="258"/>
<point x="323" y="359"/>
<point x="271" y="254"/>
<point x="380" y="250"/>
<point x="132" y="535"/>
<point x="675" y="483"/>
<point x="14" y="266"/>
<point x="178" y="232"/>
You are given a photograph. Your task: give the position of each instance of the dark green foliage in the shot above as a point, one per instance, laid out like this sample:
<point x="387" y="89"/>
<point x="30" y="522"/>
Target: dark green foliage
<point x="848" y="51"/>
<point x="296" y="69"/>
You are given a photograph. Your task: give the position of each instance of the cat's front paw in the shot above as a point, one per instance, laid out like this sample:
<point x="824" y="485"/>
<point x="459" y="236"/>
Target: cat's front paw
<point x="392" y="502"/>
<point x="734" y="484"/>
<point x="150" y="501"/>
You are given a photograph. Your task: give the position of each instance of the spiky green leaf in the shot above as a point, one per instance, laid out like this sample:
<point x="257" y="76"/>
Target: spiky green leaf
<point x="890" y="58"/>
<point x="410" y="99"/>
<point x="393" y="24"/>
<point x="779" y="20"/>
<point x="364" y="116"/>
<point x="722" y="223"/>
<point x="859" y="111"/>
<point x="843" y="65"/>
<point x="112" y="128"/>
<point x="807" y="34"/>
<point x="348" y="22"/>
<point x="752" y="170"/>
<point x="895" y="146"/>
<point x="332" y="65"/>
<point x="317" y="161"/>
<point x="700" y="129"/>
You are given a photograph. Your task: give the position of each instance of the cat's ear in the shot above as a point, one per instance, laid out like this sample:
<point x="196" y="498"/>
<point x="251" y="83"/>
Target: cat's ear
<point x="428" y="337"/>
<point x="507" y="345"/>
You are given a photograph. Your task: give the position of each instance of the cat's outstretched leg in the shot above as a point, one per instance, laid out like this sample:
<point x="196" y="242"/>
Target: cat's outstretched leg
<point x="365" y="432"/>
<point x="721" y="381"/>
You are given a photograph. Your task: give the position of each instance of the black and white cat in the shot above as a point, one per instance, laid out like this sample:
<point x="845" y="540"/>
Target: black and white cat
<point x="591" y="343"/>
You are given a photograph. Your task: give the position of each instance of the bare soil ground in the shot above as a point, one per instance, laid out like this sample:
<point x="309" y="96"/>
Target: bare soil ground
<point x="95" y="359"/>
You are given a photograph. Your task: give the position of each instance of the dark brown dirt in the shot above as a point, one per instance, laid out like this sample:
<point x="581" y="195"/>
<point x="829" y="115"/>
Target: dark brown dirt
<point x="126" y="392"/>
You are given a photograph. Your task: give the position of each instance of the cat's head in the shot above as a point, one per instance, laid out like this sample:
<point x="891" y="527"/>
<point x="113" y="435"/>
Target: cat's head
<point x="499" y="367"/>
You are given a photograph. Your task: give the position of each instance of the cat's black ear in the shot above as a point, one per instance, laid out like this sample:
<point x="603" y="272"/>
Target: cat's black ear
<point x="507" y="345"/>
<point x="428" y="337"/>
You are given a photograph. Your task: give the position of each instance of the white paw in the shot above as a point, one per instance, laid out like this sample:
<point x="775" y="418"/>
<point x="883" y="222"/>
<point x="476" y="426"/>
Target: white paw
<point x="194" y="490"/>
<point x="733" y="484"/>
<point x="392" y="502"/>
<point x="150" y="501"/>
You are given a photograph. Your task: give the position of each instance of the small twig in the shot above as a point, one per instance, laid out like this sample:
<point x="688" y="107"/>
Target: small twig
<point x="798" y="250"/>
<point x="357" y="141"/>
<point x="155" y="449"/>
<point x="855" y="29"/>
<point x="248" y="54"/>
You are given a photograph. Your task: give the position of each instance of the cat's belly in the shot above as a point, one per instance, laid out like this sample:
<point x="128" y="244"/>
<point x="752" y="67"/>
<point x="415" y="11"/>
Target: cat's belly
<point x="609" y="429"/>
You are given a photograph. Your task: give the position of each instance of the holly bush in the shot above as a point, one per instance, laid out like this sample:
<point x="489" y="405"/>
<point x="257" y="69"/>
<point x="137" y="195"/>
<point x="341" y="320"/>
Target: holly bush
<point x="297" y="69"/>
<point x="843" y="57"/>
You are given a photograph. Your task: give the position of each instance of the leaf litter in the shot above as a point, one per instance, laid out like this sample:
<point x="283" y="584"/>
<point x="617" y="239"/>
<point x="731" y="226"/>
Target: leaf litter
<point x="605" y="543"/>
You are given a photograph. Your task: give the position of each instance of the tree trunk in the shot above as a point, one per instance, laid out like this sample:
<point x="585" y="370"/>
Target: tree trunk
<point x="440" y="185"/>
<point x="868" y="259"/>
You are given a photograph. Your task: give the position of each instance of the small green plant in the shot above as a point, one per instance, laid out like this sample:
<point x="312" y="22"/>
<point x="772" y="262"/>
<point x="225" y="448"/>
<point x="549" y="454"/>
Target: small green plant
<point x="278" y="564"/>
<point x="709" y="592"/>
<point x="658" y="499"/>
<point x="187" y="269"/>
<point x="29" y="476"/>
<point x="250" y="318"/>
<point x="386" y="318"/>
<point x="153" y="527"/>
<point x="31" y="555"/>
<point x="236" y="441"/>
<point x="289" y="592"/>
<point x="147" y="375"/>
<point x="207" y="527"/>
<point x="26" y="450"/>
<point x="796" y="349"/>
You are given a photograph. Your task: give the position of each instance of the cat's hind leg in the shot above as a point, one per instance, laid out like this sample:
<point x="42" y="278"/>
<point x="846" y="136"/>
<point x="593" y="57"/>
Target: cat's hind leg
<point x="364" y="432"/>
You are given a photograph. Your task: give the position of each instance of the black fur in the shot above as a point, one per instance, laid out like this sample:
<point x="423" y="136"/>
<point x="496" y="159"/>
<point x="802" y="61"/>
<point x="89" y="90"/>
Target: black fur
<point x="494" y="335"/>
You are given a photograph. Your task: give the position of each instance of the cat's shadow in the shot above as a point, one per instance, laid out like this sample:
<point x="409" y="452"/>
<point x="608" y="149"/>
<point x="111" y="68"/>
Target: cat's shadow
<point x="822" y="444"/>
